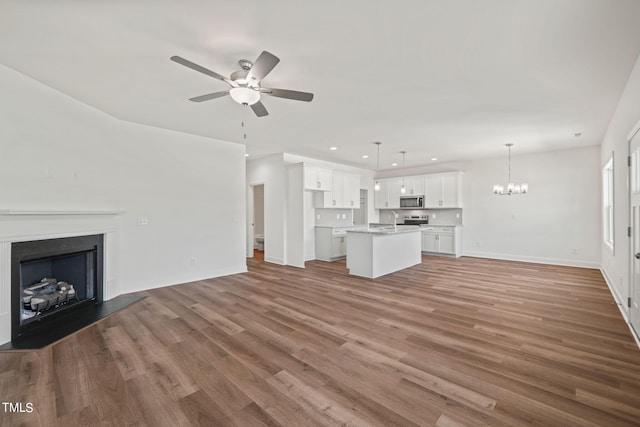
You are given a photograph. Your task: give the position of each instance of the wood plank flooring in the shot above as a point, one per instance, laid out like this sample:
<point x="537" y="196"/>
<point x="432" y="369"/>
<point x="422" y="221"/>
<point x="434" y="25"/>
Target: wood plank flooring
<point x="450" y="342"/>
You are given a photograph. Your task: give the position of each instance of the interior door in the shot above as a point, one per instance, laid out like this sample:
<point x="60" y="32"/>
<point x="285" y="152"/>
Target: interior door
<point x="634" y="180"/>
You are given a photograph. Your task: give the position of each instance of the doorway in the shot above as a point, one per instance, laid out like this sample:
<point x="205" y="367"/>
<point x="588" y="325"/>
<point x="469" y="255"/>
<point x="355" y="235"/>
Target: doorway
<point x="255" y="222"/>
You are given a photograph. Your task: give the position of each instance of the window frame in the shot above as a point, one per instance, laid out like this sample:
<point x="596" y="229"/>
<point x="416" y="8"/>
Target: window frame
<point x="608" y="205"/>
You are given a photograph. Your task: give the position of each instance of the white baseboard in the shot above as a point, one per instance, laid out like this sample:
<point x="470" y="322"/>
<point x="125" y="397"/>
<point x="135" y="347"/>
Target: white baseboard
<point x="624" y="310"/>
<point x="274" y="260"/>
<point x="537" y="260"/>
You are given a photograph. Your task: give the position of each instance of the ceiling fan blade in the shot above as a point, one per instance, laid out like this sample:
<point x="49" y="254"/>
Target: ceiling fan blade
<point x="262" y="66"/>
<point x="259" y="109"/>
<point x="288" y="94"/>
<point x="209" y="96"/>
<point x="200" y="69"/>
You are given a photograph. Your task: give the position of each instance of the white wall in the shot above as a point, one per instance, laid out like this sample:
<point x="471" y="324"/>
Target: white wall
<point x="558" y="216"/>
<point x="60" y="154"/>
<point x="615" y="266"/>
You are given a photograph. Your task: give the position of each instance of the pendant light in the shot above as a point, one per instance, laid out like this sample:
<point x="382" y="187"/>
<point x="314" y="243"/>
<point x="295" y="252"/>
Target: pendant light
<point x="376" y="187"/>
<point x="403" y="189"/>
<point x="511" y="187"/>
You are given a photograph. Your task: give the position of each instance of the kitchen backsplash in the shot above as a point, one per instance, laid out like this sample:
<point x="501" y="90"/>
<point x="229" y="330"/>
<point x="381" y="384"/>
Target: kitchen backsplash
<point x="436" y="216"/>
<point x="334" y="217"/>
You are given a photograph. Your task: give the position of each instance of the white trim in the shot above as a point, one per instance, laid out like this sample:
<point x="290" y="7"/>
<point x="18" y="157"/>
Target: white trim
<point x="533" y="259"/>
<point x="616" y="296"/>
<point x="634" y="131"/>
<point x="621" y="306"/>
<point x="10" y="212"/>
<point x="274" y="260"/>
<point x="46" y="236"/>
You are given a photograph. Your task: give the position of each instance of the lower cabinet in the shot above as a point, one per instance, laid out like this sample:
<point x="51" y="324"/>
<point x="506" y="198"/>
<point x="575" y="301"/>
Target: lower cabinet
<point x="338" y="246"/>
<point x="331" y="243"/>
<point x="442" y="240"/>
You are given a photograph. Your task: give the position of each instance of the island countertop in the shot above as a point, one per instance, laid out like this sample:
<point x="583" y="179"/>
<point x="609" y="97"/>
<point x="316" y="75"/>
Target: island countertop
<point x="387" y="230"/>
<point x="375" y="252"/>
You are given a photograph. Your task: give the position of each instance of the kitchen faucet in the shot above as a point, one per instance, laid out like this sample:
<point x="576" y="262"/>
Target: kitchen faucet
<point x="395" y="217"/>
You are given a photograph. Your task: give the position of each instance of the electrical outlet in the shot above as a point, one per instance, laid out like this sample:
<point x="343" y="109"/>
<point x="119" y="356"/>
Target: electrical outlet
<point x="477" y="244"/>
<point x="433" y="215"/>
<point x="193" y="261"/>
<point x="337" y="216"/>
<point x="574" y="251"/>
<point x="458" y="215"/>
<point x="143" y="220"/>
<point x="344" y="216"/>
<point x="318" y="216"/>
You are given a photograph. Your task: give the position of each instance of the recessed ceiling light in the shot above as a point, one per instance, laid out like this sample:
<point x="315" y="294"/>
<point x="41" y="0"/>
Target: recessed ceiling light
<point x="394" y="164"/>
<point x="364" y="156"/>
<point x="434" y="159"/>
<point x="333" y="148"/>
<point x="246" y="154"/>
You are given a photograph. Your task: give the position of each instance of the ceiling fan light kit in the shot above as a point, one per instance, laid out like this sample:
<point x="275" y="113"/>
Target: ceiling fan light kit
<point x="245" y="83"/>
<point x="244" y="95"/>
<point x="511" y="187"/>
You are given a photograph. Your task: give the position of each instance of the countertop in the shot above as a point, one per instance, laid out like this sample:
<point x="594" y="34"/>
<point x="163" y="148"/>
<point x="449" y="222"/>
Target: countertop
<point x="380" y="225"/>
<point x="387" y="230"/>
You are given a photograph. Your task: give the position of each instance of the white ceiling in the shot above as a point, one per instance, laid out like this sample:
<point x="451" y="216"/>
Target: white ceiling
<point x="452" y="79"/>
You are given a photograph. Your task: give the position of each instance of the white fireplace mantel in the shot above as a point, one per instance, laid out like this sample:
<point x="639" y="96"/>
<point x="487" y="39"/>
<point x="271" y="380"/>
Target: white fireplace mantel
<point x="11" y="212"/>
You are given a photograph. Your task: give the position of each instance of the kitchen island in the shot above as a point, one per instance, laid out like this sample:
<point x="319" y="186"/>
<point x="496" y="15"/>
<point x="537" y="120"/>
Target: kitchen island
<point x="374" y="252"/>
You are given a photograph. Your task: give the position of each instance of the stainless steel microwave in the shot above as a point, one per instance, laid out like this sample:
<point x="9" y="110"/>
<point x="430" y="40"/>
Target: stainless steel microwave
<point x="411" y="202"/>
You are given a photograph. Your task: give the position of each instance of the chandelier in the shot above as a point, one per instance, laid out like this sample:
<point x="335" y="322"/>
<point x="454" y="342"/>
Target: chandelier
<point x="511" y="187"/>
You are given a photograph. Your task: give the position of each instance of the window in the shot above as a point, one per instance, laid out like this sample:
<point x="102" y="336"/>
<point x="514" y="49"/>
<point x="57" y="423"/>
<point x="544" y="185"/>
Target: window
<point x="607" y="203"/>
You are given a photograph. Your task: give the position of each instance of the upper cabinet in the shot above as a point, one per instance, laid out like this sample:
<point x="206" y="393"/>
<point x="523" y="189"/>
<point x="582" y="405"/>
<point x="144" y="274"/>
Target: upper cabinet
<point x="443" y="190"/>
<point x="388" y="197"/>
<point x="414" y="185"/>
<point x="317" y="178"/>
<point x="345" y="192"/>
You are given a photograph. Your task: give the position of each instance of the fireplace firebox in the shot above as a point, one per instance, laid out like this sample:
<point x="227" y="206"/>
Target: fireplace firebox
<point x="52" y="278"/>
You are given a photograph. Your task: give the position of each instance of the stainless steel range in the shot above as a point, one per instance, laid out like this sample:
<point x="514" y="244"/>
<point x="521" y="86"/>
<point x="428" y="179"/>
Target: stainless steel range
<point x="416" y="219"/>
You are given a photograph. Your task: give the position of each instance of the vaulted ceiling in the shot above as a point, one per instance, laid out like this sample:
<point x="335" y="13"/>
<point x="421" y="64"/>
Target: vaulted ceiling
<point x="452" y="79"/>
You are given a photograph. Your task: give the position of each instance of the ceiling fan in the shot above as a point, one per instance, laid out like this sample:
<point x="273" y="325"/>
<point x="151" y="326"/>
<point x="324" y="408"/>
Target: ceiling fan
<point x="245" y="83"/>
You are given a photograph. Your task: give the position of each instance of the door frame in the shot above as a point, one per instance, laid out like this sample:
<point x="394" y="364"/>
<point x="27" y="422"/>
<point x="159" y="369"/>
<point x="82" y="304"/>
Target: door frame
<point x="635" y="329"/>
<point x="251" y="217"/>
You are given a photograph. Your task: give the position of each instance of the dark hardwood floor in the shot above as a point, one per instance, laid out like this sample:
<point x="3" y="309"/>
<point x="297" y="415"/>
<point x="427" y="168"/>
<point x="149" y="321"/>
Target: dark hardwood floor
<point x="449" y="342"/>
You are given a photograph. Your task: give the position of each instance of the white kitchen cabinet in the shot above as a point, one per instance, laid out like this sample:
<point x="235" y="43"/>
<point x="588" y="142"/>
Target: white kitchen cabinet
<point x="338" y="247"/>
<point x="344" y="194"/>
<point x="351" y="190"/>
<point x="429" y="242"/>
<point x="317" y="178"/>
<point x="414" y="185"/>
<point x="443" y="190"/>
<point x="388" y="197"/>
<point x="331" y="243"/>
<point x="442" y="240"/>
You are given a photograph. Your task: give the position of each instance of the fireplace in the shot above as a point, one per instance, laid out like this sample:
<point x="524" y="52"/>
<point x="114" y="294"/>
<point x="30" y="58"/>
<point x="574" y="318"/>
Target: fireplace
<point x="52" y="279"/>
